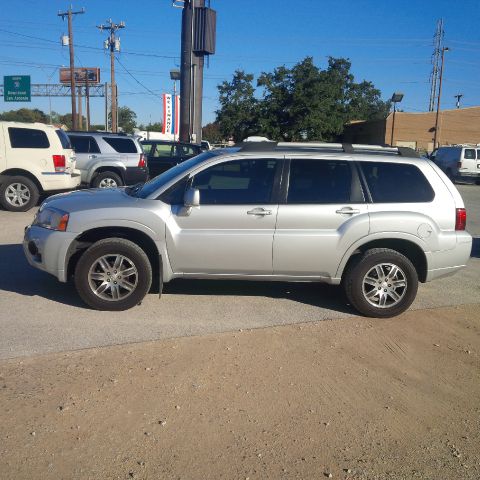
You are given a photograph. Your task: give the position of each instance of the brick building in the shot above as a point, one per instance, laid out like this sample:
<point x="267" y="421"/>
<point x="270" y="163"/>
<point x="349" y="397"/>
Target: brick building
<point x="417" y="130"/>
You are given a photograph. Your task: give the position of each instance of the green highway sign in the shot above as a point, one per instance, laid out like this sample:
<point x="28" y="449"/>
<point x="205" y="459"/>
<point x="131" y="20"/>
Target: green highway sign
<point x="16" y="88"/>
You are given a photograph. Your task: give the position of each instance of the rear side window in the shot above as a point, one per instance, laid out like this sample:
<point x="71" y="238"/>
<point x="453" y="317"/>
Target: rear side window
<point x="186" y="151"/>
<point x="147" y="148"/>
<point x="469" y="154"/>
<point x="84" y="144"/>
<point x="121" y="145"/>
<point x="28" y="138"/>
<point x="319" y="181"/>
<point x="64" y="140"/>
<point x="396" y="183"/>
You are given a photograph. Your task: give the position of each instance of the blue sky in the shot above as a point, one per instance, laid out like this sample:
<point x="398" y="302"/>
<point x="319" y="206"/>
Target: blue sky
<point x="388" y="42"/>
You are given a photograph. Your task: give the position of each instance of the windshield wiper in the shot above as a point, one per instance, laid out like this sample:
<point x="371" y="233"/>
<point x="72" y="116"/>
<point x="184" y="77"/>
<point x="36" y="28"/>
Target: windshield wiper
<point x="134" y="189"/>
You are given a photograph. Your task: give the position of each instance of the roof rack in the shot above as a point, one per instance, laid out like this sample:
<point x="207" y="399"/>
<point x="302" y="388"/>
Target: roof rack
<point x="330" y="147"/>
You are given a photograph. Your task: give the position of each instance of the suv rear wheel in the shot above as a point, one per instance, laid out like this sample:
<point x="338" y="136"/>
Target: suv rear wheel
<point x="107" y="180"/>
<point x="381" y="283"/>
<point x="113" y="274"/>
<point x="18" y="194"/>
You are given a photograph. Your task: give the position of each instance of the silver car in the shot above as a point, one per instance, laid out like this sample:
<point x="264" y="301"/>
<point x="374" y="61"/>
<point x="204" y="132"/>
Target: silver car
<point x="109" y="160"/>
<point x="376" y="220"/>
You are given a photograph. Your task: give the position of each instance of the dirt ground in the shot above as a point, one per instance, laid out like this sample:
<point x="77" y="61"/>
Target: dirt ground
<point x="350" y="399"/>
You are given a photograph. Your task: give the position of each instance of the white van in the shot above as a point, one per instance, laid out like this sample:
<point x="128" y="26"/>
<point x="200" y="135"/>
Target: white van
<point x="460" y="162"/>
<point x="34" y="158"/>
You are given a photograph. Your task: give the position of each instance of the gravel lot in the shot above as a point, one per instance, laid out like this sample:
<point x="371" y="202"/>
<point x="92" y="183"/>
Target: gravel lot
<point x="40" y="315"/>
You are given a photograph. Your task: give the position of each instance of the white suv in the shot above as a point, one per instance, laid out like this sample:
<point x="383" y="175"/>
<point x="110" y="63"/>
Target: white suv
<point x="34" y="158"/>
<point x="376" y="220"/>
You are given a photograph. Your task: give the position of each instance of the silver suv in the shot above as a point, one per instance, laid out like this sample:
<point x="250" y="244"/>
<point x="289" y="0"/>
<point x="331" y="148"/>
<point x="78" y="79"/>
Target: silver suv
<point x="376" y="220"/>
<point x="109" y="160"/>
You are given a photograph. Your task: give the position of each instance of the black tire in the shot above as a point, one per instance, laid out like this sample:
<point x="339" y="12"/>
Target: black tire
<point x="89" y="265"/>
<point x="107" y="177"/>
<point x="24" y="185"/>
<point x="358" y="286"/>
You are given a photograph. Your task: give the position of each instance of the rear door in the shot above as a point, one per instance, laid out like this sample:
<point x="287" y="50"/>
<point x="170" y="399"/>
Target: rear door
<point x="322" y="213"/>
<point x="86" y="151"/>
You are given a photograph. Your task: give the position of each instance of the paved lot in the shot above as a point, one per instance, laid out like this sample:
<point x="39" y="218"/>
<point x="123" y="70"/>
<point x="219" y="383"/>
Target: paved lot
<point x="40" y="315"/>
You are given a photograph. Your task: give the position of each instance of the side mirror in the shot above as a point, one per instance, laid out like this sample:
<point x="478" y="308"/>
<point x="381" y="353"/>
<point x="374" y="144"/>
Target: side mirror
<point x="192" y="198"/>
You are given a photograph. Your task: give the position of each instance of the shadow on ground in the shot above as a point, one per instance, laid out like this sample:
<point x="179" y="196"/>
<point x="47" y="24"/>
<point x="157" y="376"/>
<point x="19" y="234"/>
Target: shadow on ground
<point x="17" y="276"/>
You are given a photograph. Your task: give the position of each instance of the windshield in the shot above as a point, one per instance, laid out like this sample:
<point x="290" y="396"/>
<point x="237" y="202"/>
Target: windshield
<point x="157" y="182"/>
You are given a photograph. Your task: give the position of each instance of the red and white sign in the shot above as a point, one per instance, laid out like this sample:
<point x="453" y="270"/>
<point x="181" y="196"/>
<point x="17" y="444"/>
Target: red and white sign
<point x="171" y="114"/>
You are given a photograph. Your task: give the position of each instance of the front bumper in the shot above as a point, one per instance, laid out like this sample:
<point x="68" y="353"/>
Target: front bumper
<point x="48" y="250"/>
<point x="135" y="175"/>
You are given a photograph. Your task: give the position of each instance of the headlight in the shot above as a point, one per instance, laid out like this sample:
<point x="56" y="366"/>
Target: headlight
<point x="52" y="218"/>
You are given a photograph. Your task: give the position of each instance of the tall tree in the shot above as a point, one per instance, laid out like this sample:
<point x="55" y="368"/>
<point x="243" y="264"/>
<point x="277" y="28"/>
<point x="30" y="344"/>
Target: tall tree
<point x="27" y="115"/>
<point x="237" y="116"/>
<point x="212" y="133"/>
<point x="126" y="119"/>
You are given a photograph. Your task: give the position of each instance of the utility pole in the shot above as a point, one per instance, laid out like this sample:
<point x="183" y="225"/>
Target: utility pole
<point x="69" y="14"/>
<point x="80" y="109"/>
<point x="437" y="136"/>
<point x="113" y="44"/>
<point x="438" y="45"/>
<point x="198" y="40"/>
<point x="87" y="100"/>
<point x="458" y="97"/>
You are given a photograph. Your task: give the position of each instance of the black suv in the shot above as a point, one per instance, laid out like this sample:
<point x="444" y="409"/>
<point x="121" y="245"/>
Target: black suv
<point x="163" y="154"/>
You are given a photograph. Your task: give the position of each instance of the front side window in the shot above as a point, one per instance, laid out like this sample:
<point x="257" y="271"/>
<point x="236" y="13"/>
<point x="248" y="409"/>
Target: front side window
<point x="84" y="144"/>
<point x="162" y="150"/>
<point x="315" y="181"/>
<point x="469" y="154"/>
<point x="396" y="183"/>
<point x="121" y="145"/>
<point x="27" y="138"/>
<point x="237" y="182"/>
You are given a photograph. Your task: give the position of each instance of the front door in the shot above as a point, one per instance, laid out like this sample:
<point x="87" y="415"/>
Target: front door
<point x="322" y="214"/>
<point x="231" y="232"/>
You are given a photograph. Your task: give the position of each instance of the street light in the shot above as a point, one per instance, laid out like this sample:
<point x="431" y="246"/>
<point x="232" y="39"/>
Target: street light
<point x="397" y="97"/>
<point x="436" y="136"/>
<point x="175" y="75"/>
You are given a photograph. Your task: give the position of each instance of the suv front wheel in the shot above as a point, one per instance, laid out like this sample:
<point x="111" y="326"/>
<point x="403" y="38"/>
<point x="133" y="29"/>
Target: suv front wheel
<point x="381" y="283"/>
<point x="113" y="274"/>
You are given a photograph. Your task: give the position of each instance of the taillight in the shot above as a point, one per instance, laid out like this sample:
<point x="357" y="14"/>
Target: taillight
<point x="459" y="164"/>
<point x="460" y="219"/>
<point x="142" y="162"/>
<point x="59" y="162"/>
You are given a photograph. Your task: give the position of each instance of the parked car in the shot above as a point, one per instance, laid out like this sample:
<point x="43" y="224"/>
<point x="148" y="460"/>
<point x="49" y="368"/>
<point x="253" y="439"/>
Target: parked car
<point x="164" y="154"/>
<point x="373" y="219"/>
<point x="460" y="162"/>
<point x="34" y="158"/>
<point x="108" y="160"/>
<point x="205" y="145"/>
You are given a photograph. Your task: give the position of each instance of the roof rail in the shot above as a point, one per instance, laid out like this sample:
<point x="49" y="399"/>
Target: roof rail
<point x="331" y="147"/>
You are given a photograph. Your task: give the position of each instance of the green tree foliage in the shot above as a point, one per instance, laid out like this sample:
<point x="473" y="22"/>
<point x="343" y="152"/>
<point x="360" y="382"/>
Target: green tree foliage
<point x="238" y="115"/>
<point x="27" y="115"/>
<point x="152" y="127"/>
<point x="126" y="119"/>
<point x="212" y="133"/>
<point x="299" y="103"/>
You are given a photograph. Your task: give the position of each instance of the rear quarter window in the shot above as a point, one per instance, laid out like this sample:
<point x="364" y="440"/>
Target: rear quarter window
<point x="396" y="183"/>
<point x="28" y="138"/>
<point x="122" y="145"/>
<point x="64" y="140"/>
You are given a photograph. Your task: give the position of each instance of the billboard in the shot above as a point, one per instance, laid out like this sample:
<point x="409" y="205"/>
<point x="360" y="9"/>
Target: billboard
<point x="171" y="114"/>
<point x="81" y="75"/>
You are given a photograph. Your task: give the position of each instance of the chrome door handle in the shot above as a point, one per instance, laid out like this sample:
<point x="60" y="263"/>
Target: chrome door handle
<point x="347" y="211"/>
<point x="92" y="156"/>
<point x="259" y="211"/>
